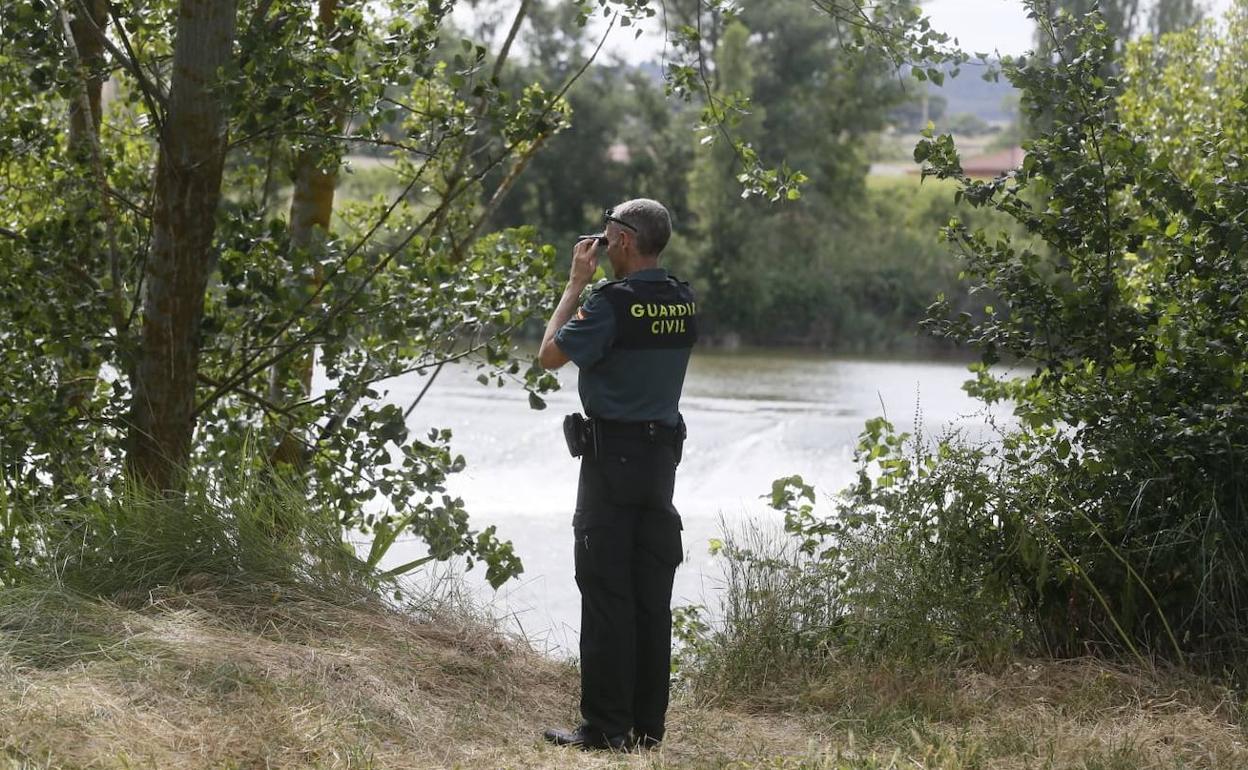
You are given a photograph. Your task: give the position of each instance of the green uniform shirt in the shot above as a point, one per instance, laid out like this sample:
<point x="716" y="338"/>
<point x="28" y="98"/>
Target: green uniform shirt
<point x="631" y="342"/>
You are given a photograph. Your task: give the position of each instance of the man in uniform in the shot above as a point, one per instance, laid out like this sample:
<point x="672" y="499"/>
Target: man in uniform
<point x="631" y="342"/>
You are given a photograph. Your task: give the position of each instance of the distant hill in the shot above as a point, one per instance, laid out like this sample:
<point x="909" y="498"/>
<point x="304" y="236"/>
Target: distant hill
<point x="970" y="93"/>
<point x="989" y="101"/>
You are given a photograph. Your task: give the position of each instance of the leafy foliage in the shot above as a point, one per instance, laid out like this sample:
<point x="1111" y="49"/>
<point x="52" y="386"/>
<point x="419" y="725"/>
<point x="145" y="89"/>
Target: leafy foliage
<point x="394" y="287"/>
<point x="628" y="140"/>
<point x="1124" y="19"/>
<point x="866" y="33"/>
<point x="902" y="569"/>
<point x="776" y="93"/>
<point x="1132" y="315"/>
<point x="835" y="263"/>
<point x="1184" y="92"/>
<point x="1109" y="513"/>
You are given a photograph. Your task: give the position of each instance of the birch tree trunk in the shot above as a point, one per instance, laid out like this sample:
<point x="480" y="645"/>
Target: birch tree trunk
<point x="188" y="188"/>
<point x="311" y="209"/>
<point x="316" y="175"/>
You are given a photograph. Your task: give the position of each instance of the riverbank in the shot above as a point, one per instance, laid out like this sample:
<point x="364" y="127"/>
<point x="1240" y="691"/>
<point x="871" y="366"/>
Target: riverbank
<point x="266" y="677"/>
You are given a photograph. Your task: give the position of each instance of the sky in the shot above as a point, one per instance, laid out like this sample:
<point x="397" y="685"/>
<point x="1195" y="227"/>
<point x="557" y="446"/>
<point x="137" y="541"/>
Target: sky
<point x="987" y="25"/>
<point x="979" y="25"/>
<point x="983" y="26"/>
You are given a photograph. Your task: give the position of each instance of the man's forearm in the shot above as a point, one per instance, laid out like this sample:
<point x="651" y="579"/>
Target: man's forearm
<point x="561" y="315"/>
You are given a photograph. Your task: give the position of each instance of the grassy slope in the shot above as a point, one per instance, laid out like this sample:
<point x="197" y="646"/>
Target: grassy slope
<point x="272" y="680"/>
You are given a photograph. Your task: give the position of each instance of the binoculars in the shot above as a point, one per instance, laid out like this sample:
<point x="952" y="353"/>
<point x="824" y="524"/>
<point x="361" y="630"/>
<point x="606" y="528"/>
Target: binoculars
<point x="600" y="237"/>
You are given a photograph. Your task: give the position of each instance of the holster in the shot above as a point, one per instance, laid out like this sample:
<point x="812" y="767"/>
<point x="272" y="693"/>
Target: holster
<point x="577" y="432"/>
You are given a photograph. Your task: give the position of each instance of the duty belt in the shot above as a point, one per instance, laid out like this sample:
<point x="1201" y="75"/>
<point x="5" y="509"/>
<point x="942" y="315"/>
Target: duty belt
<point x="648" y="430"/>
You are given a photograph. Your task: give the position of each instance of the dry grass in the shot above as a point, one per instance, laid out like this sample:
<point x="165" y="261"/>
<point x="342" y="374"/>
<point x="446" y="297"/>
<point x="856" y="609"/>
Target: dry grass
<point x="268" y="679"/>
<point x="1037" y="714"/>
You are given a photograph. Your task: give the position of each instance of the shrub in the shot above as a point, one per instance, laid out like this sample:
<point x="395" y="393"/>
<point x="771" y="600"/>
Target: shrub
<point x="904" y="569"/>
<point x="1112" y="516"/>
<point x="248" y="527"/>
<point x="1133" y="425"/>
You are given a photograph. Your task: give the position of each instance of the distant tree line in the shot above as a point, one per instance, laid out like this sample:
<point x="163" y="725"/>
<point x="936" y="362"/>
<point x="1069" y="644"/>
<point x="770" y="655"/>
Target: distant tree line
<point x="843" y="266"/>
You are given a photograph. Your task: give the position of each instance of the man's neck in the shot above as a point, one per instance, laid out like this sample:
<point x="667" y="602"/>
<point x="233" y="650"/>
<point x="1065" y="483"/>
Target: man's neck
<point x="637" y="264"/>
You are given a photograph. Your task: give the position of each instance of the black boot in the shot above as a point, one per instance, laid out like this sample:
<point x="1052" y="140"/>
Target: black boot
<point x="642" y="740"/>
<point x="589" y="739"/>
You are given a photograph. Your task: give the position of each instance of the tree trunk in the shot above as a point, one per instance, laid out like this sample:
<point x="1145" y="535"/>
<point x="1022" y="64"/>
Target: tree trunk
<point x="77" y="369"/>
<point x="311" y="209"/>
<point x="188" y="188"/>
<point x="86" y="38"/>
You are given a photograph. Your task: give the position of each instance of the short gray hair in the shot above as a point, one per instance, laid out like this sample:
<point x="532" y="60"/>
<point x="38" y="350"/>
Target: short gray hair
<point x="653" y="223"/>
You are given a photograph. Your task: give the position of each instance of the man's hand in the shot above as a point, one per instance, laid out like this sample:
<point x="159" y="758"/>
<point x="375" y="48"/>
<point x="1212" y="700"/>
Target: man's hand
<point x="584" y="262"/>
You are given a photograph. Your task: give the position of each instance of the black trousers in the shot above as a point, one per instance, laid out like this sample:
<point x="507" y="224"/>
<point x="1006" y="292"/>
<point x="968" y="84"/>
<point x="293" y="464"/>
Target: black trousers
<point x="627" y="548"/>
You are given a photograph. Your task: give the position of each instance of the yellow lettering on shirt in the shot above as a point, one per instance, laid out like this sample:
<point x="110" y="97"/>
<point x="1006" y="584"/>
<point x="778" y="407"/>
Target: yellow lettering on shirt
<point x="638" y="310"/>
<point x="670" y="326"/>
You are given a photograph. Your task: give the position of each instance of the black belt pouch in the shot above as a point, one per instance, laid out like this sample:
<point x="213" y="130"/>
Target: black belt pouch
<point x="576" y="433"/>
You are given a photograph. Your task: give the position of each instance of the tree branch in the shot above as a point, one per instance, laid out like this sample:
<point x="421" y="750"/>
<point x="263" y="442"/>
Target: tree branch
<point x="511" y="36"/>
<point x="117" y="296"/>
<point x="457" y="172"/>
<point x="420" y="396"/>
<point x="505" y="186"/>
<point x="254" y="397"/>
<point x="252" y="366"/>
<point x="151" y="91"/>
<point x="501" y="191"/>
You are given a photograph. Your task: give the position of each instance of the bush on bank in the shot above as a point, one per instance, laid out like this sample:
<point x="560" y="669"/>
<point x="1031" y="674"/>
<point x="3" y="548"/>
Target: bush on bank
<point x="1129" y="510"/>
<point x="247" y="528"/>
<point x="1111" y="516"/>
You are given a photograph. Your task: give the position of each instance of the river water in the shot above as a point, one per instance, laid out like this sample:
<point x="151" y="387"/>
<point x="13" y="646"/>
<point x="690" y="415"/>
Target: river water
<point x="752" y="417"/>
